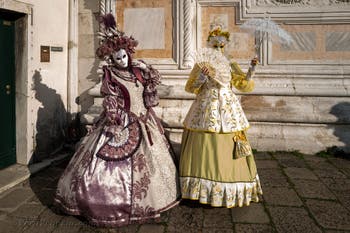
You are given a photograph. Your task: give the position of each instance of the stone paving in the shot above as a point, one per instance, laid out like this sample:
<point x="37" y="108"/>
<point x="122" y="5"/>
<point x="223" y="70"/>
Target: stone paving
<point x="302" y="193"/>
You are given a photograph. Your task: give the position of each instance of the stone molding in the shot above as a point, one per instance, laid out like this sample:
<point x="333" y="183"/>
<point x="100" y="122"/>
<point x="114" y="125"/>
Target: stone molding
<point x="297" y="12"/>
<point x="16" y="6"/>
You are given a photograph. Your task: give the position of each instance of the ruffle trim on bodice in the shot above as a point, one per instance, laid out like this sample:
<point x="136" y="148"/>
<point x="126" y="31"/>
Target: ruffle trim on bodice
<point x="221" y="194"/>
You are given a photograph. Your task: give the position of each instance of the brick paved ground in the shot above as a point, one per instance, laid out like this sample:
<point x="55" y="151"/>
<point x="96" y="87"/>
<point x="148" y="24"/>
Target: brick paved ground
<point x="301" y="194"/>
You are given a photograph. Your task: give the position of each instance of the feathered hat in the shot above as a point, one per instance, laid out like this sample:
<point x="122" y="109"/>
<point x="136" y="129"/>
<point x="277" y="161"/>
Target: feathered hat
<point x="112" y="39"/>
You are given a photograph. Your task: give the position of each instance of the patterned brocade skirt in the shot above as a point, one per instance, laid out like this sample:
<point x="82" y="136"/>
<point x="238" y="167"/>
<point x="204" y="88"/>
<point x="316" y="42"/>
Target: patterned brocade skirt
<point x="211" y="174"/>
<point x="116" y="193"/>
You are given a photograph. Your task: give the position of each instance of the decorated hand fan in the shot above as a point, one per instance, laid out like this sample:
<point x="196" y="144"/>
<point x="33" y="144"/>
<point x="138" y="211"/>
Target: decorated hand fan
<point x="206" y="64"/>
<point x="215" y="62"/>
<point x="122" y="142"/>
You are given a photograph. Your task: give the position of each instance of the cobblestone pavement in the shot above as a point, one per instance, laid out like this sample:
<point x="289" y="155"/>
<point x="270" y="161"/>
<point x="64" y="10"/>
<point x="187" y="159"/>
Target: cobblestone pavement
<point x="302" y="193"/>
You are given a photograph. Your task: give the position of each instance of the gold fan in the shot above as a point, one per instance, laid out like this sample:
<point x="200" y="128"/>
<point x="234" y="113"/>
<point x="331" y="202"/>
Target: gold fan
<point x="214" y="61"/>
<point x="209" y="67"/>
<point x="212" y="71"/>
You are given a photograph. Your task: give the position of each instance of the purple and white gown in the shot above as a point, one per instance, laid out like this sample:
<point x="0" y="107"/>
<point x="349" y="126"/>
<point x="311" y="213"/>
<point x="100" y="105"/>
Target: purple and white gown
<point x="123" y="171"/>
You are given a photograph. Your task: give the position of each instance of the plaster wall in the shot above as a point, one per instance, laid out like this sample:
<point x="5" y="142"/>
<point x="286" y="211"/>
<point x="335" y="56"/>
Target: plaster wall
<point x="42" y="86"/>
<point x="88" y="64"/>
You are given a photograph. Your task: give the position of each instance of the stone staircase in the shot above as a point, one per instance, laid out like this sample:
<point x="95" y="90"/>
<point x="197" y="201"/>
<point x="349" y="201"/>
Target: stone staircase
<point x="287" y="112"/>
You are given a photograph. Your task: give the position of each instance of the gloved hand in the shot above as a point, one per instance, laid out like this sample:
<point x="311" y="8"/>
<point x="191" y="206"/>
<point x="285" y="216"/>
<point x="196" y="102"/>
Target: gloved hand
<point x="253" y="63"/>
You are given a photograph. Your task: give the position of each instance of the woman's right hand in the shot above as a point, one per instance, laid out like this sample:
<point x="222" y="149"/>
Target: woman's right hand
<point x="254" y="61"/>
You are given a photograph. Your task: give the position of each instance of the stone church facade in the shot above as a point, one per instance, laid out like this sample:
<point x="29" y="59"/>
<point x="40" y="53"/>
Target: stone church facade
<point x="301" y="100"/>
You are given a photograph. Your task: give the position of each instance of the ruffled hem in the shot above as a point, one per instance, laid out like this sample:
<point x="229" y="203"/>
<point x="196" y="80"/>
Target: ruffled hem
<point x="221" y="194"/>
<point x="113" y="221"/>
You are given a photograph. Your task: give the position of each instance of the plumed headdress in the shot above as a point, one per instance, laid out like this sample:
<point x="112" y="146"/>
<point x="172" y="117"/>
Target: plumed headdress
<point x="218" y="37"/>
<point x="112" y="39"/>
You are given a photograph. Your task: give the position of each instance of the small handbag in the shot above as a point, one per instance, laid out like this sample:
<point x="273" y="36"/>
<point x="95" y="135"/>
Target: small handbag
<point x="150" y="95"/>
<point x="241" y="147"/>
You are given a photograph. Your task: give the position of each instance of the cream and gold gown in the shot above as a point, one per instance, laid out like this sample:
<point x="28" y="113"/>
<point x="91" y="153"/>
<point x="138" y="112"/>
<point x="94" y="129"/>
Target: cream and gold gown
<point x="217" y="165"/>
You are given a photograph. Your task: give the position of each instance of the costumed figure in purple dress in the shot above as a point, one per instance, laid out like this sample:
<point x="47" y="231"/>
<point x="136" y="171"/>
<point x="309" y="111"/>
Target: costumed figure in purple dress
<point x="123" y="171"/>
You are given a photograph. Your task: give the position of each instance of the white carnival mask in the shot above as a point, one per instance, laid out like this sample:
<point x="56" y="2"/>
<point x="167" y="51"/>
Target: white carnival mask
<point x="121" y="58"/>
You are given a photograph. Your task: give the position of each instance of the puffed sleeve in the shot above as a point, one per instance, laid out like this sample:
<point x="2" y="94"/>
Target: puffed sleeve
<point x="240" y="80"/>
<point x="195" y="80"/>
<point x="152" y="79"/>
<point x="112" y="100"/>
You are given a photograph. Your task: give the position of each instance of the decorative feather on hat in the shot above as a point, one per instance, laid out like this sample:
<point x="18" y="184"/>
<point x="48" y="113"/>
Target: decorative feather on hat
<point x="112" y="39"/>
<point x="108" y="21"/>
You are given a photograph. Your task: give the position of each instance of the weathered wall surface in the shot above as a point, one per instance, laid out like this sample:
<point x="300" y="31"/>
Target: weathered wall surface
<point x="41" y="87"/>
<point x="301" y="101"/>
<point x="48" y="81"/>
<point x="88" y="42"/>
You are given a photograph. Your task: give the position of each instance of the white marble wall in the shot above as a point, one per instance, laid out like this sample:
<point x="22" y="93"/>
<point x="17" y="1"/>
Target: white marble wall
<point x="147" y="25"/>
<point x="301" y="100"/>
<point x="338" y="41"/>
<point x="302" y="41"/>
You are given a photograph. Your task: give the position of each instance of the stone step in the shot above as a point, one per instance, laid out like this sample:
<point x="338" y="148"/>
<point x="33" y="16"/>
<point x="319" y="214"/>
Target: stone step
<point x="174" y="88"/>
<point x="306" y="138"/>
<point x="292" y="109"/>
<point x="294" y="70"/>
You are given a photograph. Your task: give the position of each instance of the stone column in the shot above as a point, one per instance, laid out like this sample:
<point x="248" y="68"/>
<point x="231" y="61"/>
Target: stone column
<point x="187" y="33"/>
<point x="107" y="6"/>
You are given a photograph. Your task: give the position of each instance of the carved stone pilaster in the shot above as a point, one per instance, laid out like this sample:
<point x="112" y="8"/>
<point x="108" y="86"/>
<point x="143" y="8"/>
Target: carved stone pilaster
<point x="107" y="6"/>
<point x="299" y="11"/>
<point x="187" y="35"/>
<point x="300" y="2"/>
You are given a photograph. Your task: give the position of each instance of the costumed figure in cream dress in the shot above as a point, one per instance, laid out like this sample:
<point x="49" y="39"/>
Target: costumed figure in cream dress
<point x="217" y="166"/>
<point x="123" y="171"/>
